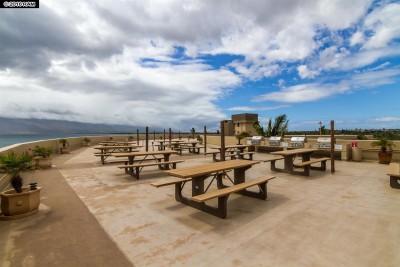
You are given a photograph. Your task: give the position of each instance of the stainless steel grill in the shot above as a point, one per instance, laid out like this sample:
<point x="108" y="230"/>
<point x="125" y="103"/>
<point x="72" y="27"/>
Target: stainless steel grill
<point x="323" y="142"/>
<point x="298" y="141"/>
<point x="256" y="140"/>
<point x="275" y="140"/>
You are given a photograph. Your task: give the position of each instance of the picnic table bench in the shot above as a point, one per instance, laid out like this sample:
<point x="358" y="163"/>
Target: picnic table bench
<point x="231" y="155"/>
<point x="103" y="156"/>
<point x="394" y="173"/>
<point x="162" y="165"/>
<point x="311" y="161"/>
<point x="191" y="149"/>
<point x="199" y="173"/>
<point x="289" y="161"/>
<point x="223" y="193"/>
<point x="134" y="165"/>
<point x="215" y="153"/>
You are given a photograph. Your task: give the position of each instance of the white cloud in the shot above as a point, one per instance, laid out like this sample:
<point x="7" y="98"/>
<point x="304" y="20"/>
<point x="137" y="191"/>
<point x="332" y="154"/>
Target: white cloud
<point x="138" y="62"/>
<point x="304" y="72"/>
<point x="246" y="108"/>
<point x="386" y="119"/>
<point x="385" y="24"/>
<point x="309" y="92"/>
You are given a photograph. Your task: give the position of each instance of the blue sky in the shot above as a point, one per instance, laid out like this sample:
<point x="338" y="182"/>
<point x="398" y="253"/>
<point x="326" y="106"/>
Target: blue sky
<point x="187" y="63"/>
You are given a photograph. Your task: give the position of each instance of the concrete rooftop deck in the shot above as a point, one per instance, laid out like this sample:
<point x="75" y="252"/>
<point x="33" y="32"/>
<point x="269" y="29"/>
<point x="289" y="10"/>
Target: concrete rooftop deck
<point x="94" y="215"/>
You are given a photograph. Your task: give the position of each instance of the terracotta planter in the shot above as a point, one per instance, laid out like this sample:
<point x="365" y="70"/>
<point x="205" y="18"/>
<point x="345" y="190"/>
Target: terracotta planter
<point x="43" y="163"/>
<point x="19" y="205"/>
<point x="65" y="150"/>
<point x="384" y="158"/>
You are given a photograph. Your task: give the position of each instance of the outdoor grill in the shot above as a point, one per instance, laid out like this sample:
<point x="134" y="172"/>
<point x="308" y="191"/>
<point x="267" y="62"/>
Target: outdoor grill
<point x="275" y="140"/>
<point x="323" y="142"/>
<point x="256" y="140"/>
<point x="298" y="141"/>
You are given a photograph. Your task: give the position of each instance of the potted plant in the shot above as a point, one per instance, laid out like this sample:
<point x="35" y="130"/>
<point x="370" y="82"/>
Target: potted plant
<point x="241" y="136"/>
<point x="64" y="149"/>
<point x="20" y="201"/>
<point x="86" y="141"/>
<point x="385" y="153"/>
<point x="42" y="156"/>
<point x="200" y="139"/>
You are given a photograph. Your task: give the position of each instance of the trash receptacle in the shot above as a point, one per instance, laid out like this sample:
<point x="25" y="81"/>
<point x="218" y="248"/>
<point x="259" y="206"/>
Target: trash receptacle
<point x="356" y="152"/>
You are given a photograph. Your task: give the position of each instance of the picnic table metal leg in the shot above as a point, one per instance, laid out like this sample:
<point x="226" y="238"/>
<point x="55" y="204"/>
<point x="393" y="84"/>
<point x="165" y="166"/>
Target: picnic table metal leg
<point x="322" y="168"/>
<point x="394" y="182"/>
<point x="197" y="189"/>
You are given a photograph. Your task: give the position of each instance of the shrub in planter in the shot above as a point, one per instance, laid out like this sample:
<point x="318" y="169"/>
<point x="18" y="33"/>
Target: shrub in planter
<point x="86" y="141"/>
<point x="65" y="149"/>
<point x="18" y="202"/>
<point x="42" y="156"/>
<point x="385" y="153"/>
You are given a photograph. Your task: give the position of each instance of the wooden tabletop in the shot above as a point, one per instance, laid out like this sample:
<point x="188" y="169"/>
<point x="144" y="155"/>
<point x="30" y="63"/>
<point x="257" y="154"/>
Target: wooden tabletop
<point x="204" y="169"/>
<point x="291" y="152"/>
<point x="231" y="146"/>
<point x="115" y="147"/>
<point x="144" y="153"/>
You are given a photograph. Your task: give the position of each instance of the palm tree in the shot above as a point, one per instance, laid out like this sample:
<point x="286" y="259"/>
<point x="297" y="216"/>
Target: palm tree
<point x="259" y="129"/>
<point x="193" y="131"/>
<point x="242" y="135"/>
<point x="14" y="164"/>
<point x="279" y="127"/>
<point x="384" y="143"/>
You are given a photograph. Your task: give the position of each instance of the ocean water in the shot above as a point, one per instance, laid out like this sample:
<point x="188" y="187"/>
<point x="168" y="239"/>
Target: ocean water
<point x="7" y="140"/>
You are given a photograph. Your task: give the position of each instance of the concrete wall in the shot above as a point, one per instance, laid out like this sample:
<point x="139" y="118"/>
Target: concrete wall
<point x="368" y="152"/>
<point x="74" y="143"/>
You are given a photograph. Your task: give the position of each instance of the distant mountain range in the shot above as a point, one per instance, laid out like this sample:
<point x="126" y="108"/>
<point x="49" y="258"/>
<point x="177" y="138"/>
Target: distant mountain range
<point x="39" y="126"/>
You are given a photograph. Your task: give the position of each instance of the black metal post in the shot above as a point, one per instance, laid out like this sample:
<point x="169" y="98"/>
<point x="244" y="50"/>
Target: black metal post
<point x="205" y="140"/>
<point x="137" y="136"/>
<point x="222" y="156"/>
<point x="147" y="138"/>
<point x="332" y="146"/>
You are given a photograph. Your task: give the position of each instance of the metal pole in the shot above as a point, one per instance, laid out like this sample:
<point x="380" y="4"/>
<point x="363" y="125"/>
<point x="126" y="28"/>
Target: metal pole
<point x="222" y="156"/>
<point x="205" y="139"/>
<point x="170" y="138"/>
<point x="332" y="146"/>
<point x="164" y="137"/>
<point x="147" y="138"/>
<point x="179" y="135"/>
<point x="137" y="136"/>
<point x="154" y="135"/>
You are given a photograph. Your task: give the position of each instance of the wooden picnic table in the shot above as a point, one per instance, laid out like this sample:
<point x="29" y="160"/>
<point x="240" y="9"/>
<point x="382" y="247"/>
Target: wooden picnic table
<point x="163" y="163"/>
<point x="116" y="143"/>
<point x="198" y="175"/>
<point x="113" y="148"/>
<point x="289" y="156"/>
<point x="105" y="151"/>
<point x="191" y="146"/>
<point x="231" y="150"/>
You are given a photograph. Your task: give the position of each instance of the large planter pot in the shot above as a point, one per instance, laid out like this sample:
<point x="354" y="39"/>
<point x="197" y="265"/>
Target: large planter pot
<point x="18" y="205"/>
<point x="65" y="150"/>
<point x="384" y="157"/>
<point x="356" y="154"/>
<point x="43" y="163"/>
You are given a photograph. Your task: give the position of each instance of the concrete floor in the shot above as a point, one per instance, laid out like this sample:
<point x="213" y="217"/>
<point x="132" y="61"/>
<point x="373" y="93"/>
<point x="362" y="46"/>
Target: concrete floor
<point x="350" y="218"/>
